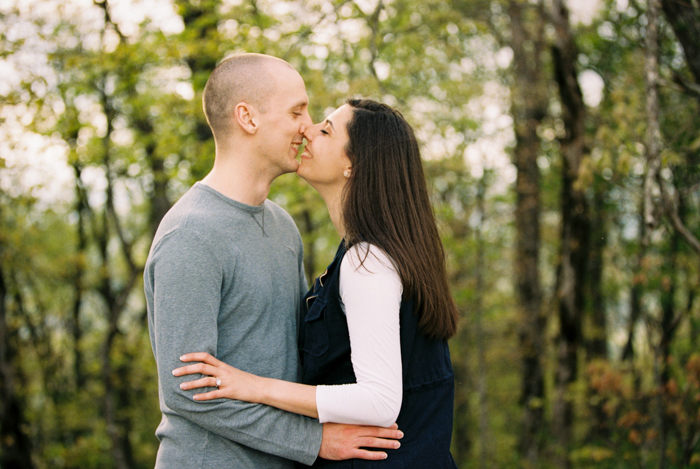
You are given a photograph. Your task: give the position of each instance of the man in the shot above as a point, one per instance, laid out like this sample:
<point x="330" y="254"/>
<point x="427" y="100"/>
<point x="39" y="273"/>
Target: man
<point x="225" y="276"/>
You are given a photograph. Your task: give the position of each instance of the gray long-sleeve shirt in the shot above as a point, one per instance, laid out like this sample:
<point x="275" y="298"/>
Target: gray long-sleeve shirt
<point x="222" y="279"/>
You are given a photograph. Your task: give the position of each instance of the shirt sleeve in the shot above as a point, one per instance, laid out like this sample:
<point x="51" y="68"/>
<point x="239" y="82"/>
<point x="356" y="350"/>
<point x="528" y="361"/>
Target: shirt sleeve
<point x="186" y="276"/>
<point x="371" y="297"/>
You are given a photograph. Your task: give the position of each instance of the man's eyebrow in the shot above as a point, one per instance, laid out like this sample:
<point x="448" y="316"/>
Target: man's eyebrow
<point x="300" y="104"/>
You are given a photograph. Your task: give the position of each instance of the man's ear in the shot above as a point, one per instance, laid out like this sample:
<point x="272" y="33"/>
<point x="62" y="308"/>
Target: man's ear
<point x="246" y="117"/>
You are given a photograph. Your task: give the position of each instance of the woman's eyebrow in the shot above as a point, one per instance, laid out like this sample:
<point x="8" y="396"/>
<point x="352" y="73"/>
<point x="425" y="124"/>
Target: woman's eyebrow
<point x="331" y="124"/>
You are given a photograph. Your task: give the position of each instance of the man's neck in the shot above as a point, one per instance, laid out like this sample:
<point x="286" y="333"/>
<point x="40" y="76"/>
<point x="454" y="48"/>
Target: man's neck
<point x="239" y="181"/>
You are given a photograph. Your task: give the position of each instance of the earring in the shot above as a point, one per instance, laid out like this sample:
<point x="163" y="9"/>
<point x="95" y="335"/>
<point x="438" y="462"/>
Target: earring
<point x="346" y="173"/>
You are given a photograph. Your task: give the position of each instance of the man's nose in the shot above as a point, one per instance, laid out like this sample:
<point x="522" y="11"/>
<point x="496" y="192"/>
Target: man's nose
<point x="309" y="132"/>
<point x="305" y="124"/>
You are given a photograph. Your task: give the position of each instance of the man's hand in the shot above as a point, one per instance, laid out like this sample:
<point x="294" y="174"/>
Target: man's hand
<point x="346" y="441"/>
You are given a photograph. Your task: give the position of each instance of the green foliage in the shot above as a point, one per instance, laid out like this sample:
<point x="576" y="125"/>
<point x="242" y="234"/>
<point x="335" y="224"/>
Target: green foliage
<point x="632" y="411"/>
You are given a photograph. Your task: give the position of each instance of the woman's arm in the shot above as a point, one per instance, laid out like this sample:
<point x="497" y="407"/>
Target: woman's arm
<point x="237" y="384"/>
<point x="371" y="297"/>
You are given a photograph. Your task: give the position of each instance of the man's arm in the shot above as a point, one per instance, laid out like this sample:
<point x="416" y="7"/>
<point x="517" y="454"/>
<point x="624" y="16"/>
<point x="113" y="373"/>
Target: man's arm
<point x="187" y="276"/>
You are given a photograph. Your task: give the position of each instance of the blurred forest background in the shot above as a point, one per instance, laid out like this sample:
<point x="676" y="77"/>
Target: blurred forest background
<point x="562" y="146"/>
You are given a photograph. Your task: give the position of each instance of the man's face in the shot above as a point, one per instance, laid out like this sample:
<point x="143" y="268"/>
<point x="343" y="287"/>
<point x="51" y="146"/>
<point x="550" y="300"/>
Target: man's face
<point x="286" y="118"/>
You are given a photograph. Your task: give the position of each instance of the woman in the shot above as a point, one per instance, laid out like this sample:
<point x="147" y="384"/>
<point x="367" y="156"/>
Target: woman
<point x="373" y="337"/>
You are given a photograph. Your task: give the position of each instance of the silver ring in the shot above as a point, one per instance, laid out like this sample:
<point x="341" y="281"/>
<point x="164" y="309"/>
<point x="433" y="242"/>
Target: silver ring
<point x="218" y="382"/>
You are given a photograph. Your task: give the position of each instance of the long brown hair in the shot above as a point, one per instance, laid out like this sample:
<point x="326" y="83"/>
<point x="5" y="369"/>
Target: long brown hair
<point x="386" y="203"/>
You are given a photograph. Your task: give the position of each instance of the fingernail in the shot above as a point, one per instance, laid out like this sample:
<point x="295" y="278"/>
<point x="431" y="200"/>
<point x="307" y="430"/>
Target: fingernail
<point x="174" y="374"/>
<point x="182" y="386"/>
<point x="182" y="358"/>
<point x="400" y="434"/>
<point x="398" y="445"/>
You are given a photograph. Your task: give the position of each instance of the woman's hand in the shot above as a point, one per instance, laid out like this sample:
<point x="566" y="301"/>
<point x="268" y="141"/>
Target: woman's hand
<point x="232" y="383"/>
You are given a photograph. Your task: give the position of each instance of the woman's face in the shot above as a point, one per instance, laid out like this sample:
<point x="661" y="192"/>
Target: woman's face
<point x="324" y="162"/>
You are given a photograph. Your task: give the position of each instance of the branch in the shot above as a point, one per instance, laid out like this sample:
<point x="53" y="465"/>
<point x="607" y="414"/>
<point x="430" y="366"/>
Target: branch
<point x="669" y="206"/>
<point x="687" y="87"/>
<point x="493" y="28"/>
<point x="126" y="245"/>
<point x="309" y="29"/>
<point x="108" y="18"/>
<point x="121" y="297"/>
<point x="373" y="22"/>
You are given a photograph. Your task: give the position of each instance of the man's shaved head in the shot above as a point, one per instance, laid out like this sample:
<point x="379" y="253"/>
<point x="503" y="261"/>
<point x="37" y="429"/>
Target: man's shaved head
<point x="246" y="78"/>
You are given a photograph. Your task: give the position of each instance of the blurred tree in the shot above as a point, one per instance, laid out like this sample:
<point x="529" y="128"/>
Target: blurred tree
<point x="520" y="27"/>
<point x="15" y="444"/>
<point x="575" y="226"/>
<point x="529" y="109"/>
<point x="684" y="18"/>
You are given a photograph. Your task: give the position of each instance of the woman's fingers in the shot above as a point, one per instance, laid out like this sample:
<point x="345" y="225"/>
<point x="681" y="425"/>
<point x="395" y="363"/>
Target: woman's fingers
<point x="207" y="364"/>
<point x="200" y="357"/>
<point x="207" y="396"/>
<point x="200" y="368"/>
<point x="209" y="382"/>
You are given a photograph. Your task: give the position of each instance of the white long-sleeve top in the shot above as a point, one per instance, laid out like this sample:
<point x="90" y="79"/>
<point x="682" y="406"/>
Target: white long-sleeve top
<point x="371" y="298"/>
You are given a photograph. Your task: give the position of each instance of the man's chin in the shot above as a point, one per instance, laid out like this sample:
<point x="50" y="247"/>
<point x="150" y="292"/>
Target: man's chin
<point x="291" y="167"/>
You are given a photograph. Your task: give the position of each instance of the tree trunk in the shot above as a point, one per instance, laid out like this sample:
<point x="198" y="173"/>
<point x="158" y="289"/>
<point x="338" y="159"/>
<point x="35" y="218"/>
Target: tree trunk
<point x="160" y="203"/>
<point x="597" y="344"/>
<point x="461" y="346"/>
<point x="15" y="445"/>
<point x="668" y="328"/>
<point x="653" y="147"/>
<point x="81" y="254"/>
<point x="684" y="18"/>
<point x="636" y="291"/>
<point x="462" y="433"/>
<point x="486" y="446"/>
<point x="574" y="231"/>
<point x="117" y="420"/>
<point x="653" y="132"/>
<point x="529" y="107"/>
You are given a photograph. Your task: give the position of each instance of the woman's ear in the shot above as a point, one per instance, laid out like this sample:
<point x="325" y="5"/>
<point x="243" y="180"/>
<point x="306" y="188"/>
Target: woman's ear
<point x="246" y="117"/>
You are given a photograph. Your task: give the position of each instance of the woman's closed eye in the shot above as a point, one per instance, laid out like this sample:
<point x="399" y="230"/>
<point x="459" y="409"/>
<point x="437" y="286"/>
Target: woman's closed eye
<point x="324" y="132"/>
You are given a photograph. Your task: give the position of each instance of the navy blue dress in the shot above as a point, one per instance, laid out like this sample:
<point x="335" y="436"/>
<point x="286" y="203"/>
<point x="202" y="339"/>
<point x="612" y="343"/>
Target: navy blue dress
<point x="428" y="380"/>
